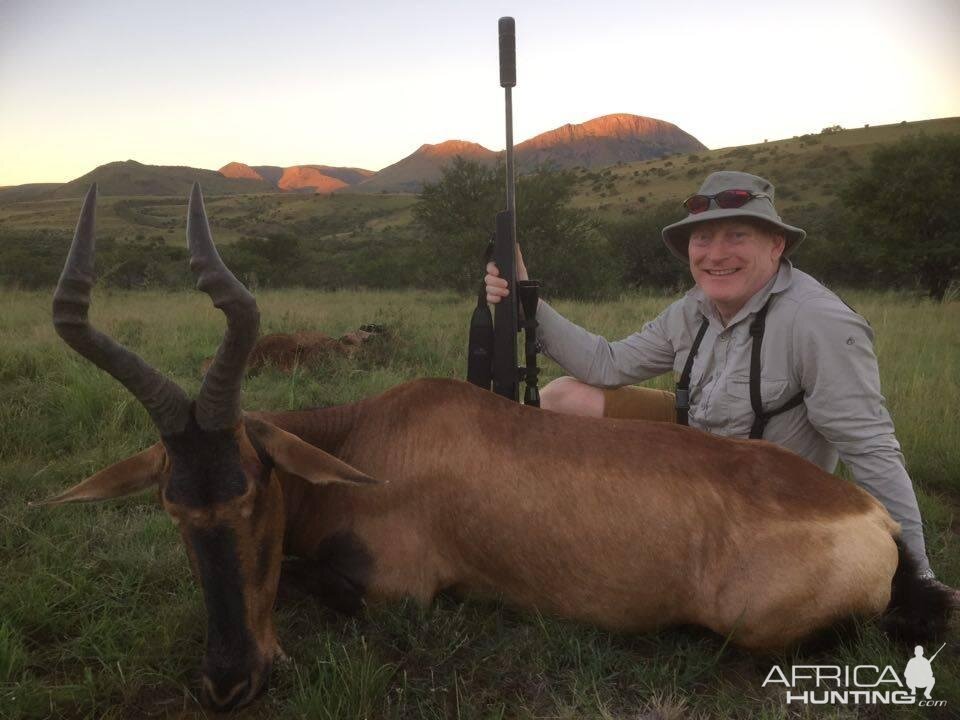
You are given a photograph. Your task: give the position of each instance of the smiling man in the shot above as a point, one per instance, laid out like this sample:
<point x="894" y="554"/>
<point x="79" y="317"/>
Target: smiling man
<point x="760" y="350"/>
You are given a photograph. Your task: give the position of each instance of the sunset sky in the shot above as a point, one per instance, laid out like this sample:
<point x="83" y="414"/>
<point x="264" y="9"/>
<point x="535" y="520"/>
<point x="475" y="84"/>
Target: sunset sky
<point x="363" y="84"/>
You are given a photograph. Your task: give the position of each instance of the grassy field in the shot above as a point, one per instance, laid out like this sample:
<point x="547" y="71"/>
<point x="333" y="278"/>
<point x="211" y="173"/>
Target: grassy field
<point x="312" y="217"/>
<point x="99" y="616"/>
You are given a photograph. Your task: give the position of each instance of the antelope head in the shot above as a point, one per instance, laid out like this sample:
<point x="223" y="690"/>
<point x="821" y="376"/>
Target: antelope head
<point x="216" y="470"/>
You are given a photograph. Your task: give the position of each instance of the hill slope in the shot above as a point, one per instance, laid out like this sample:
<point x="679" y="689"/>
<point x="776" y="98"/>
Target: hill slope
<point x="129" y="177"/>
<point x="596" y="143"/>
<point x="600" y="142"/>
<point x="605" y="141"/>
<point x="299" y="178"/>
<point x="805" y="169"/>
<point x="27" y="192"/>
<point x="308" y="179"/>
<point x="424" y="165"/>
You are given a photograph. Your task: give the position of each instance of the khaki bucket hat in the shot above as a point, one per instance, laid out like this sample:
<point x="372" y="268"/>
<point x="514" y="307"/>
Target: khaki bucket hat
<point x="677" y="235"/>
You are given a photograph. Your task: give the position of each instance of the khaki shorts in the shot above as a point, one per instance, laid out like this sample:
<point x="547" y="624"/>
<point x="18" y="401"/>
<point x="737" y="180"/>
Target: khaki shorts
<point x="639" y="403"/>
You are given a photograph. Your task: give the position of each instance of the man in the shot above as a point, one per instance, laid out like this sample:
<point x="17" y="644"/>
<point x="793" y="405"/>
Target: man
<point x="805" y="378"/>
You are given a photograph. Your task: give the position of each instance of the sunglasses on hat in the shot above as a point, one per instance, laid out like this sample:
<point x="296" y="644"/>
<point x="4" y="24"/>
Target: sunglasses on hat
<point x="726" y="199"/>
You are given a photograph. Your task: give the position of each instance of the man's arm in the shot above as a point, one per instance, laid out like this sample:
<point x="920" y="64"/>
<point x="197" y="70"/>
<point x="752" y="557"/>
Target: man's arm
<point x="591" y="358"/>
<point x="841" y="382"/>
<point x="595" y="360"/>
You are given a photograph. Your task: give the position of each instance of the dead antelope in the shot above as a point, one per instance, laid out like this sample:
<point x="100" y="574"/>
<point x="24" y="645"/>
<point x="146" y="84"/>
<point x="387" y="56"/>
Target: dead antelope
<point x="436" y="484"/>
<point x="286" y="351"/>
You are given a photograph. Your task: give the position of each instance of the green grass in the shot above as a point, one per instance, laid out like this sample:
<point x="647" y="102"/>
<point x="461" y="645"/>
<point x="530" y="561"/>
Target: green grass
<point x="311" y="218"/>
<point x="100" y="618"/>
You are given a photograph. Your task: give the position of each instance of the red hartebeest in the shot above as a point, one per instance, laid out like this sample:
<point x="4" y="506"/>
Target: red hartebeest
<point x="436" y="484"/>
<point x="287" y="351"/>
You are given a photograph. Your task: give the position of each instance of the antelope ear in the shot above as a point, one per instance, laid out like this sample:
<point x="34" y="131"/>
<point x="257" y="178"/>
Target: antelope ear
<point x="135" y="473"/>
<point x="300" y="458"/>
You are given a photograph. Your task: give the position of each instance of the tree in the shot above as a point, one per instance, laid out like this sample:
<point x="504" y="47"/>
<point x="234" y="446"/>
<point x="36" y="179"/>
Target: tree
<point x="905" y="208"/>
<point x="561" y="243"/>
<point x="457" y="214"/>
<point x="643" y="260"/>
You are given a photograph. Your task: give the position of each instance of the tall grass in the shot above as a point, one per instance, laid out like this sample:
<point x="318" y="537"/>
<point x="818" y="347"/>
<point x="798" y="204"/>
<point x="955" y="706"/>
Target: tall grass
<point x="99" y="616"/>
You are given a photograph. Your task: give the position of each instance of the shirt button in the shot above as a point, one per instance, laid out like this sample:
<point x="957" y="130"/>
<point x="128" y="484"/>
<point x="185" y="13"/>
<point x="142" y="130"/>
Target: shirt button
<point x="724" y="336"/>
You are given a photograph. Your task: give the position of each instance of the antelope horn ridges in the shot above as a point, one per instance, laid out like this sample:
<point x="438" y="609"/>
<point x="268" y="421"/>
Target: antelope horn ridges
<point x="218" y="404"/>
<point x="167" y="404"/>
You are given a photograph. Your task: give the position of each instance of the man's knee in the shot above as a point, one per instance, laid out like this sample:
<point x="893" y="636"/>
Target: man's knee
<point x="572" y="397"/>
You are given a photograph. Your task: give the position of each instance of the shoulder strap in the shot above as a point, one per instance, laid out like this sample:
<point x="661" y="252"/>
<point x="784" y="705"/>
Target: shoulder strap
<point x="683" y="386"/>
<point x="757" y="328"/>
<point x="760" y="418"/>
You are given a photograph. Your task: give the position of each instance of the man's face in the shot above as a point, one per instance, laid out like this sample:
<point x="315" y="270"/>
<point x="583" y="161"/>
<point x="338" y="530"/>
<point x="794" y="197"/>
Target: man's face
<point x="731" y="260"/>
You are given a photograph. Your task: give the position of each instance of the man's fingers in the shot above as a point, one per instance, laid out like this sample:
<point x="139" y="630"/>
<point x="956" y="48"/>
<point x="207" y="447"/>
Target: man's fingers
<point x="521" y="266"/>
<point x="496" y="285"/>
<point x="495" y="293"/>
<point x="496" y="288"/>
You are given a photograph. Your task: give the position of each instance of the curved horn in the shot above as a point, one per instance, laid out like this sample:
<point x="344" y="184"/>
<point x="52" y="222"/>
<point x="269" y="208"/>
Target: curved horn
<point x="168" y="405"/>
<point x="218" y="404"/>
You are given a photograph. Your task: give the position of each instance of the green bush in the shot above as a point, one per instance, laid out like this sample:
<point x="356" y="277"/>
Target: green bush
<point x="638" y="251"/>
<point x="562" y="245"/>
<point x="905" y="209"/>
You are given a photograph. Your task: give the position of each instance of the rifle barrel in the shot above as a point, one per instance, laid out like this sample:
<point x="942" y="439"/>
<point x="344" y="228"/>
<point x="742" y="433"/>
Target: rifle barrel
<point x="508" y="79"/>
<point x="506" y="376"/>
<point x="511" y="177"/>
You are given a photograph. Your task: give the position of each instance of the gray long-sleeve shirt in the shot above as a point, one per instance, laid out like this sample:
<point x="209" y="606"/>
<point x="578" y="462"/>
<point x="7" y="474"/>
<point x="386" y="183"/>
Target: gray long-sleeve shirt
<point x="813" y="342"/>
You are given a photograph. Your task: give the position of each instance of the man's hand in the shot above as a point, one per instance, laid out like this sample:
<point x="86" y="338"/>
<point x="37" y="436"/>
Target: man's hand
<point x="496" y="285"/>
<point x="953" y="593"/>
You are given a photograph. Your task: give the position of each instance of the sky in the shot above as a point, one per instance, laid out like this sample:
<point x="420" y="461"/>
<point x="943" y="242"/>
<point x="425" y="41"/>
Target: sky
<point x="364" y="84"/>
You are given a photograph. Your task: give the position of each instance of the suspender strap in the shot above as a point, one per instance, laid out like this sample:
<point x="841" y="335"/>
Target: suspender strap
<point x="683" y="386"/>
<point x="760" y="421"/>
<point x="761" y="418"/>
<point x="756" y="340"/>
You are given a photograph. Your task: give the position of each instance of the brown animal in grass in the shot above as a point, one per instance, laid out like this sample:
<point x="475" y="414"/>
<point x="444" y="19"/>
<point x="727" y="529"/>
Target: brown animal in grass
<point x="287" y="351"/>
<point x="437" y="484"/>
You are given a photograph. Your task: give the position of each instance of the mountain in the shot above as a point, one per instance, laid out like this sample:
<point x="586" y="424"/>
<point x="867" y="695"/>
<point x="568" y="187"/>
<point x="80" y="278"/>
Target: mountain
<point x="270" y="173"/>
<point x="424" y="165"/>
<point x="349" y="175"/>
<point x="299" y="178"/>
<point x="308" y="179"/>
<point x="239" y="170"/>
<point x="129" y="177"/>
<point x="605" y="141"/>
<point x="600" y="142"/>
<point x="809" y="171"/>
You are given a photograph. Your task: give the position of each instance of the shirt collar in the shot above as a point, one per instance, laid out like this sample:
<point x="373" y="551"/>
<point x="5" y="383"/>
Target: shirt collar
<point x="778" y="283"/>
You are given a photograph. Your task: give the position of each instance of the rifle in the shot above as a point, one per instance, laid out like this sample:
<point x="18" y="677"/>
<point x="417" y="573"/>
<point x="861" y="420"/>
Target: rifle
<point x="936" y="653"/>
<point x="492" y="352"/>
